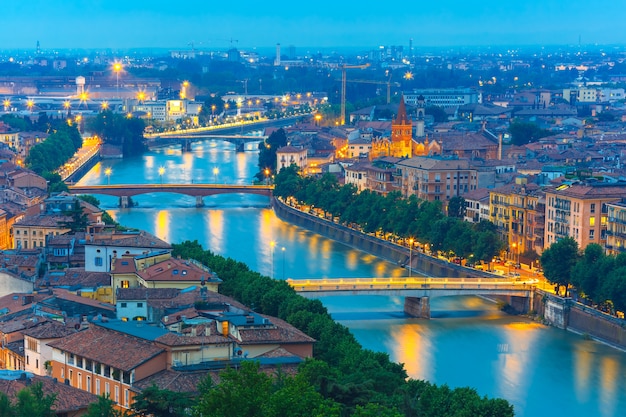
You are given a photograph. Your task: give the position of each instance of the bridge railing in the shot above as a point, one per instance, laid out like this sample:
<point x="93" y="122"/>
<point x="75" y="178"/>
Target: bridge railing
<point x="346" y="284"/>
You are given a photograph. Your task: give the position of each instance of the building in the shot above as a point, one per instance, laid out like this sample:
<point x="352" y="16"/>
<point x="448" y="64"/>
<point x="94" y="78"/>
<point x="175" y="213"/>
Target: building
<point x="102" y="248"/>
<point x="37" y="353"/>
<point x="105" y="362"/>
<point x="436" y="178"/>
<point x="444" y="97"/>
<point x="160" y="270"/>
<point x="580" y="210"/>
<point x="287" y="156"/>
<point x="33" y="231"/>
<point x="515" y="210"/>
<point x="476" y="205"/>
<point x="616" y="228"/>
<point x="378" y="176"/>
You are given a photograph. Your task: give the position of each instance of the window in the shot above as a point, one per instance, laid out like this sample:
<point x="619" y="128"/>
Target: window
<point x="97" y="386"/>
<point x="117" y="394"/>
<point x="125" y="284"/>
<point x="592" y="221"/>
<point x="139" y="305"/>
<point x="592" y="234"/>
<point x="123" y="305"/>
<point x="107" y="388"/>
<point x="592" y="208"/>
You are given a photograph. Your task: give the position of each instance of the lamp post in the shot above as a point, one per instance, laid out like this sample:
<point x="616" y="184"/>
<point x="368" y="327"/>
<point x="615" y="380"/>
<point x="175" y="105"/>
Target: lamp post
<point x="215" y="172"/>
<point x="410" y="255"/>
<point x="266" y="171"/>
<point x="161" y="172"/>
<point x="107" y="172"/>
<point x="272" y="244"/>
<point x="117" y="67"/>
<point x="283" y="249"/>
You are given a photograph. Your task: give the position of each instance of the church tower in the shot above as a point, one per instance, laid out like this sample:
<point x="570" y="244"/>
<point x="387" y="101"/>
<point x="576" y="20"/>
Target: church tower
<point x="419" y="128"/>
<point x="402" y="133"/>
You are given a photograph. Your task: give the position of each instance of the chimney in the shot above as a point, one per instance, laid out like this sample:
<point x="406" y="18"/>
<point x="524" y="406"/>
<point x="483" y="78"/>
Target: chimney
<point x="500" y="147"/>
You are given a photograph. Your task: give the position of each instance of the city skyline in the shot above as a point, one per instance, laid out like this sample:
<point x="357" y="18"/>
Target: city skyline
<point x="120" y="25"/>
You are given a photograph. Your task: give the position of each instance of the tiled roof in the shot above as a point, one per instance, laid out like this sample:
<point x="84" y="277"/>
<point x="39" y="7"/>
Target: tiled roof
<point x="75" y="277"/>
<point x="109" y="347"/>
<point x="139" y="240"/>
<point x="280" y="332"/>
<point x="175" y="339"/>
<point x="176" y="381"/>
<point x="434" y="163"/>
<point x="44" y="221"/>
<point x="146" y="293"/>
<point x="68" y="398"/>
<point x="177" y="270"/>
<point x="21" y="323"/>
<point x="49" y="330"/>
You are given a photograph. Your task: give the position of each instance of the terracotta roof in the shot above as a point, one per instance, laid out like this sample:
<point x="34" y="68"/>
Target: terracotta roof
<point x="175" y="339"/>
<point x="140" y="239"/>
<point x="44" y="221"/>
<point x="146" y="293"/>
<point x="50" y="330"/>
<point x="21" y="323"/>
<point x="430" y="163"/>
<point x="68" y="398"/>
<point x="281" y="332"/>
<point x="176" y="381"/>
<point x="75" y="277"/>
<point x="177" y="270"/>
<point x="19" y="302"/>
<point x="109" y="347"/>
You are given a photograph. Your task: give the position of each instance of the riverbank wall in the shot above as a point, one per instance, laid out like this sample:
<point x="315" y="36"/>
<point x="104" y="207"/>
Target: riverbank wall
<point x="566" y="313"/>
<point x="556" y="311"/>
<point x="422" y="264"/>
<point x="83" y="169"/>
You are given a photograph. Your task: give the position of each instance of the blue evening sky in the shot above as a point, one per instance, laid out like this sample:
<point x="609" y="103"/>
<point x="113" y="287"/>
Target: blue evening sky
<point x="322" y="23"/>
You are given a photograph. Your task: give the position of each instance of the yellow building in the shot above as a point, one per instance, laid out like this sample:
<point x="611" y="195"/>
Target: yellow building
<point x="160" y="270"/>
<point x="31" y="231"/>
<point x="516" y="211"/>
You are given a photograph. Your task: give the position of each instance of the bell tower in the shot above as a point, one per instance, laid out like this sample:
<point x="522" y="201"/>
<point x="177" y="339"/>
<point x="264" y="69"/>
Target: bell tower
<point x="402" y="133"/>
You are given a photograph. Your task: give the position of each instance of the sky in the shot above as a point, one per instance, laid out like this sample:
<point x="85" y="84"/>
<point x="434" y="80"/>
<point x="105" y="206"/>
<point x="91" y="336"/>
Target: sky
<point x="124" y="24"/>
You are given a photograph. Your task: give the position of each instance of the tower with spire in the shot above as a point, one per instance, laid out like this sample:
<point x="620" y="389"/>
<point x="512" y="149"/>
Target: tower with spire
<point x="402" y="133"/>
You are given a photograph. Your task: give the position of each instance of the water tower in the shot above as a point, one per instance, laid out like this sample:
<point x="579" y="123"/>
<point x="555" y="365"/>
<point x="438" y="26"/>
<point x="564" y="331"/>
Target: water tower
<point x="80" y="85"/>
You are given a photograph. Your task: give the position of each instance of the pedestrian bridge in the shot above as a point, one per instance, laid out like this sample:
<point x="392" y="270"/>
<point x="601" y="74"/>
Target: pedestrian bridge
<point x="124" y="191"/>
<point x="416" y="290"/>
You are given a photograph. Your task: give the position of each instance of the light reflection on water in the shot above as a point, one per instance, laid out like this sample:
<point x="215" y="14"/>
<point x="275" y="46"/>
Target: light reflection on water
<point x="543" y="371"/>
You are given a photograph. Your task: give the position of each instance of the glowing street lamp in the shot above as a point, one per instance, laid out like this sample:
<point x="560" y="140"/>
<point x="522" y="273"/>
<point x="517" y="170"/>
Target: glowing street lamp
<point x="215" y="172"/>
<point x="283" y="250"/>
<point x="410" y="255"/>
<point x="267" y="175"/>
<point x="161" y="172"/>
<point x="107" y="172"/>
<point x="30" y="104"/>
<point x="141" y="96"/>
<point x="104" y="105"/>
<point x="117" y="67"/>
<point x="7" y="104"/>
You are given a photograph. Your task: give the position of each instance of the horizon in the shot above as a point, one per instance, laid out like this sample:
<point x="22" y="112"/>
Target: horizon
<point x="123" y="25"/>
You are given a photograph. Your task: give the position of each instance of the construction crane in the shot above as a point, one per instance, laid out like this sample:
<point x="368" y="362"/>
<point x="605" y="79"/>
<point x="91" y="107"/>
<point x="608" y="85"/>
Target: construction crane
<point x="344" y="67"/>
<point x="388" y="83"/>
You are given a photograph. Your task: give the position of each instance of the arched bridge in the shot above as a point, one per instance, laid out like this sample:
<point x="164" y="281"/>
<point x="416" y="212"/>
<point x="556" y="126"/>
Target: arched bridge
<point x="124" y="191"/>
<point x="416" y="290"/>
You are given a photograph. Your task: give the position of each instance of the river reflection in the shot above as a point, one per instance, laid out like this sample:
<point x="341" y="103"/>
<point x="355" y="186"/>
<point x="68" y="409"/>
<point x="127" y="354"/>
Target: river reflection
<point x="543" y="371"/>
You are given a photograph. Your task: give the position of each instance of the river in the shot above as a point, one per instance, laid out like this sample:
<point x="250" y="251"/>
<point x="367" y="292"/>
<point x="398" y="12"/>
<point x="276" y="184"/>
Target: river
<point x="541" y="370"/>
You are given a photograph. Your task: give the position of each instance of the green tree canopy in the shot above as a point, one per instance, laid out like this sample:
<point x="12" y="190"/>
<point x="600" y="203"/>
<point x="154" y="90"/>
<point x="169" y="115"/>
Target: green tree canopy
<point x="558" y="261"/>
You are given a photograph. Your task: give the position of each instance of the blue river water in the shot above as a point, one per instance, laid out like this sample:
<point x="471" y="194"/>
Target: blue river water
<point x="541" y="370"/>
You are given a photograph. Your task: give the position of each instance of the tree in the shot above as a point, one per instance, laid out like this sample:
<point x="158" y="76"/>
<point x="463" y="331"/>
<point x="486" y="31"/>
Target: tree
<point x="525" y="132"/>
<point x="437" y="112"/>
<point x="162" y="403"/>
<point x="456" y="207"/>
<point x="267" y="152"/>
<point x="104" y="407"/>
<point x="79" y="219"/>
<point x="559" y="260"/>
<point x="32" y="402"/>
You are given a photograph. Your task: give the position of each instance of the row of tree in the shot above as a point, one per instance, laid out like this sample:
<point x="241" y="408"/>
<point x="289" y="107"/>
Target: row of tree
<point x="403" y="217"/>
<point x="119" y="130"/>
<point x="598" y="277"/>
<point x="343" y="378"/>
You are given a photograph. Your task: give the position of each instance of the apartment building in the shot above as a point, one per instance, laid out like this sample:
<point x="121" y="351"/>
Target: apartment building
<point x="516" y="211"/>
<point x="616" y="228"/>
<point x="436" y="178"/>
<point x="580" y="210"/>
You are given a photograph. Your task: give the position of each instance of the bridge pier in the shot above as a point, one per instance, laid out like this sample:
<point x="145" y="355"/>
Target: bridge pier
<point x="124" y="201"/>
<point x="417" y="307"/>
<point x="199" y="201"/>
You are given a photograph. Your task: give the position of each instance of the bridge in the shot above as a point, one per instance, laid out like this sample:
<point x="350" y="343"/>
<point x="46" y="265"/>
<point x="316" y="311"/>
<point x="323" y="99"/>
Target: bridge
<point x="186" y="140"/>
<point x="416" y="290"/>
<point x="125" y="191"/>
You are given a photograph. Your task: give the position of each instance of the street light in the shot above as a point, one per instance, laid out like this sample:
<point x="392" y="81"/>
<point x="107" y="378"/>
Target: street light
<point x="7" y="104"/>
<point x="117" y="67"/>
<point x="215" y="172"/>
<point x="107" y="172"/>
<point x="267" y="175"/>
<point x="410" y="255"/>
<point x="283" y="249"/>
<point x="161" y="172"/>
